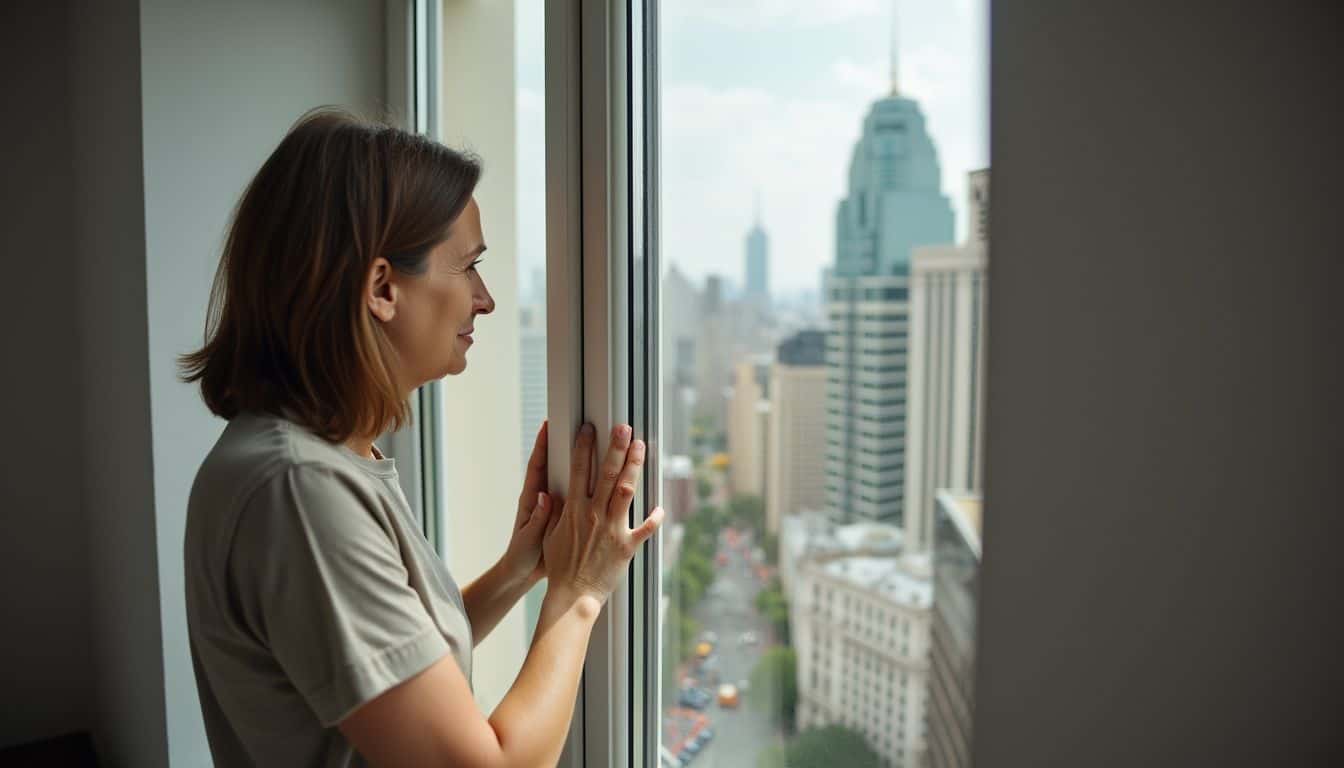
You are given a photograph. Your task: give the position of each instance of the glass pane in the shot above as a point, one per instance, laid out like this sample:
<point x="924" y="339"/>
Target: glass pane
<point x="824" y="192"/>
<point x="491" y="103"/>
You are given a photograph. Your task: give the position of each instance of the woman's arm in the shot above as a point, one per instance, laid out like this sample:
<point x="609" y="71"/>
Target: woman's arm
<point x="493" y="594"/>
<point x="432" y="720"/>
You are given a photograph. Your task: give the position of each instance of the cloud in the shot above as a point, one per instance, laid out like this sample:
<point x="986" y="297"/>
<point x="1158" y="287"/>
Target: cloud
<point x="764" y="13"/>
<point x="722" y="146"/>
<point x="873" y="80"/>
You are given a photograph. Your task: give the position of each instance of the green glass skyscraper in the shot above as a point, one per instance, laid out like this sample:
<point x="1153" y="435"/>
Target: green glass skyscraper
<point x="894" y="203"/>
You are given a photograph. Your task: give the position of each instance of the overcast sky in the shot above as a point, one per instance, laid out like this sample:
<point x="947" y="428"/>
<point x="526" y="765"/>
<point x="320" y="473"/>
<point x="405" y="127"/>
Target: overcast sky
<point x="769" y="96"/>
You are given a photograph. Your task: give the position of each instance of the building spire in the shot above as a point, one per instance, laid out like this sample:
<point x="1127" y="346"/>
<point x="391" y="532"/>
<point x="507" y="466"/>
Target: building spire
<point x="895" y="26"/>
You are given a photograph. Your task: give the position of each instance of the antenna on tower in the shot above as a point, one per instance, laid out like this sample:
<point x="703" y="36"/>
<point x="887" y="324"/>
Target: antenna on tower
<point x="895" y="26"/>
<point x="758" y="208"/>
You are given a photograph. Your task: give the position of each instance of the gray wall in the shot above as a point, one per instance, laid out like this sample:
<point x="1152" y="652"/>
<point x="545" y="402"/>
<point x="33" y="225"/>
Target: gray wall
<point x="44" y="573"/>
<point x="1162" y="558"/>
<point x="132" y="129"/>
<point x="119" y="473"/>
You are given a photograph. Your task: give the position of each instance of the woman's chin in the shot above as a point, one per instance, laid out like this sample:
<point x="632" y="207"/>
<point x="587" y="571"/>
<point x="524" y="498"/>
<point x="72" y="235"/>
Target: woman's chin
<point x="457" y="366"/>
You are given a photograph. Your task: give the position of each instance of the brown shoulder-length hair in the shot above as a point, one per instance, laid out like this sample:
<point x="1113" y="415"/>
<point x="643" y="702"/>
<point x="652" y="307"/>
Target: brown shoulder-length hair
<point x="287" y="331"/>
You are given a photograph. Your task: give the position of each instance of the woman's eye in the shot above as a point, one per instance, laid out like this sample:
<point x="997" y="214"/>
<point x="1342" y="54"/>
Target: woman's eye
<point x="472" y="267"/>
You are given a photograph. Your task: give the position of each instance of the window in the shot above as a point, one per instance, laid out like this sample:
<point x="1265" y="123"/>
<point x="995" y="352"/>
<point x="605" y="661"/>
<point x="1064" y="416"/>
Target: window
<point x="674" y="193"/>
<point x="845" y="253"/>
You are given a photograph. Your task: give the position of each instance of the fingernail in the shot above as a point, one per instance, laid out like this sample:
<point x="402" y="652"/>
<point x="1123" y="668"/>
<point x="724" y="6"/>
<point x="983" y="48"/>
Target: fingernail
<point x="588" y="429"/>
<point x="541" y="500"/>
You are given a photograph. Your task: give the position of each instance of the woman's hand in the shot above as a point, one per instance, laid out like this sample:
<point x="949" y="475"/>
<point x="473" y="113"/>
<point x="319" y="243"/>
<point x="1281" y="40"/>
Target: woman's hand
<point x="523" y="557"/>
<point x="589" y="543"/>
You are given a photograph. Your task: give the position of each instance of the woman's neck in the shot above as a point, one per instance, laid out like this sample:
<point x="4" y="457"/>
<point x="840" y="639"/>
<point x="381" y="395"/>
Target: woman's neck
<point x="362" y="446"/>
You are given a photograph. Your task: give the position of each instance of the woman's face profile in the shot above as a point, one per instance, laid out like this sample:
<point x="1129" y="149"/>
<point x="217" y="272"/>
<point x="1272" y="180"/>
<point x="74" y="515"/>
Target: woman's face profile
<point x="430" y="317"/>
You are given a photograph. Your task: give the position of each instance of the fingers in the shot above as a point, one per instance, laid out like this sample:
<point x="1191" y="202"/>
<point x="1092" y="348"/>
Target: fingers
<point x="648" y="527"/>
<point x="580" y="465"/>
<point x="539" y="512"/>
<point x="612" y="464"/>
<point x="536" y="465"/>
<point x="552" y="517"/>
<point x="628" y="478"/>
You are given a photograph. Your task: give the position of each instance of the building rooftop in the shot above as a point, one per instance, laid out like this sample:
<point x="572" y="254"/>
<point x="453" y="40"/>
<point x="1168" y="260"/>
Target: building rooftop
<point x="868" y="555"/>
<point x="891" y="577"/>
<point x="805" y="348"/>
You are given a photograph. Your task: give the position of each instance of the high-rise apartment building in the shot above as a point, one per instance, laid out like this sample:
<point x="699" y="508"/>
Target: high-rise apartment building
<point x="748" y="426"/>
<point x="894" y="203"/>
<point x="956" y="587"/>
<point x="859" y="617"/>
<point x="946" y="391"/>
<point x="795" y="477"/>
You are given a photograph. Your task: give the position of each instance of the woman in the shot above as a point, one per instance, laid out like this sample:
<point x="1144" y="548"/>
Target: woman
<point x="324" y="629"/>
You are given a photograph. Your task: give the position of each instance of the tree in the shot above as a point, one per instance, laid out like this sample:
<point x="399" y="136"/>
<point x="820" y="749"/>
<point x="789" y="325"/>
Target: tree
<point x="830" y="746"/>
<point x="774" y="686"/>
<point x="770" y="543"/>
<point x="771" y="757"/>
<point x="772" y="605"/>
<point x="747" y="510"/>
<point x="703" y="488"/>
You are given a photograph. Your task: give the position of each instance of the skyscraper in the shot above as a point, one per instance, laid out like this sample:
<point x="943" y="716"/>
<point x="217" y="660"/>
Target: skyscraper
<point x="944" y="439"/>
<point x="894" y="203"/>
<point x="756" y="287"/>
<point x="748" y="425"/>
<point x="795" y="470"/>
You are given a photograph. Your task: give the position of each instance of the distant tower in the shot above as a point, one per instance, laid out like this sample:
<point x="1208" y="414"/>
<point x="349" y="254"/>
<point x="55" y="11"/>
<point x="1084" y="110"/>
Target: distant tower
<point x="757" y="284"/>
<point x="894" y="203"/>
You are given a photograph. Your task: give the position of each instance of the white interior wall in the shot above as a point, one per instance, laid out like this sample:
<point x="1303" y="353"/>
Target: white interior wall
<point x="221" y="84"/>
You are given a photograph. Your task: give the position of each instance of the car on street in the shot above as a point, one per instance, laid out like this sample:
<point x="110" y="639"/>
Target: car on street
<point x="695" y="698"/>
<point x="728" y="697"/>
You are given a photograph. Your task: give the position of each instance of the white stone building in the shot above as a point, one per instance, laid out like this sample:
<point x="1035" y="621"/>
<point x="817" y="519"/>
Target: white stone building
<point x="860" y="613"/>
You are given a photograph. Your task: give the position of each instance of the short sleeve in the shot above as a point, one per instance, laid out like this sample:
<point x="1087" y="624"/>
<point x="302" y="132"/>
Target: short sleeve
<point x="319" y="579"/>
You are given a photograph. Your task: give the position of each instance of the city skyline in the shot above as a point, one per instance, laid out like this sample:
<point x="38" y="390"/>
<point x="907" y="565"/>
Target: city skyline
<point x="769" y="98"/>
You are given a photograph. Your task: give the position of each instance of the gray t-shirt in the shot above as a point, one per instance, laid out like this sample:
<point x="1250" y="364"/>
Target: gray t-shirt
<point x="310" y="590"/>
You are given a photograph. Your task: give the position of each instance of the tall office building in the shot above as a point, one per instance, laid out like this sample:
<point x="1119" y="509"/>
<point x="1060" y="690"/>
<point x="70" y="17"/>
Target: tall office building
<point x="748" y="425"/>
<point x="756" y="287"/>
<point x="944" y="436"/>
<point x="894" y="203"/>
<point x="859" y="614"/>
<point x="956" y="589"/>
<point x="795" y="477"/>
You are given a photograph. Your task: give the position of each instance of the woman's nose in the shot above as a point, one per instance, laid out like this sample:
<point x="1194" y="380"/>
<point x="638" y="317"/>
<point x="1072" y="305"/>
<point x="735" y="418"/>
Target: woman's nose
<point x="485" y="303"/>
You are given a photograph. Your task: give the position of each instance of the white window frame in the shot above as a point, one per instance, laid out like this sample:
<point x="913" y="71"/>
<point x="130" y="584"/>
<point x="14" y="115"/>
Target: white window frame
<point x="602" y="275"/>
<point x="602" y="304"/>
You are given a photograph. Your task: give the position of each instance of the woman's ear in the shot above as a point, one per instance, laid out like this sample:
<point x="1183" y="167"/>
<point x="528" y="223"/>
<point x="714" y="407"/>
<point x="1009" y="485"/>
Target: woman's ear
<point x="380" y="293"/>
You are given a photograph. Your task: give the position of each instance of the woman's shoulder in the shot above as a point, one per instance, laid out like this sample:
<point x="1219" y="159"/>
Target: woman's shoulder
<point x="255" y="449"/>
